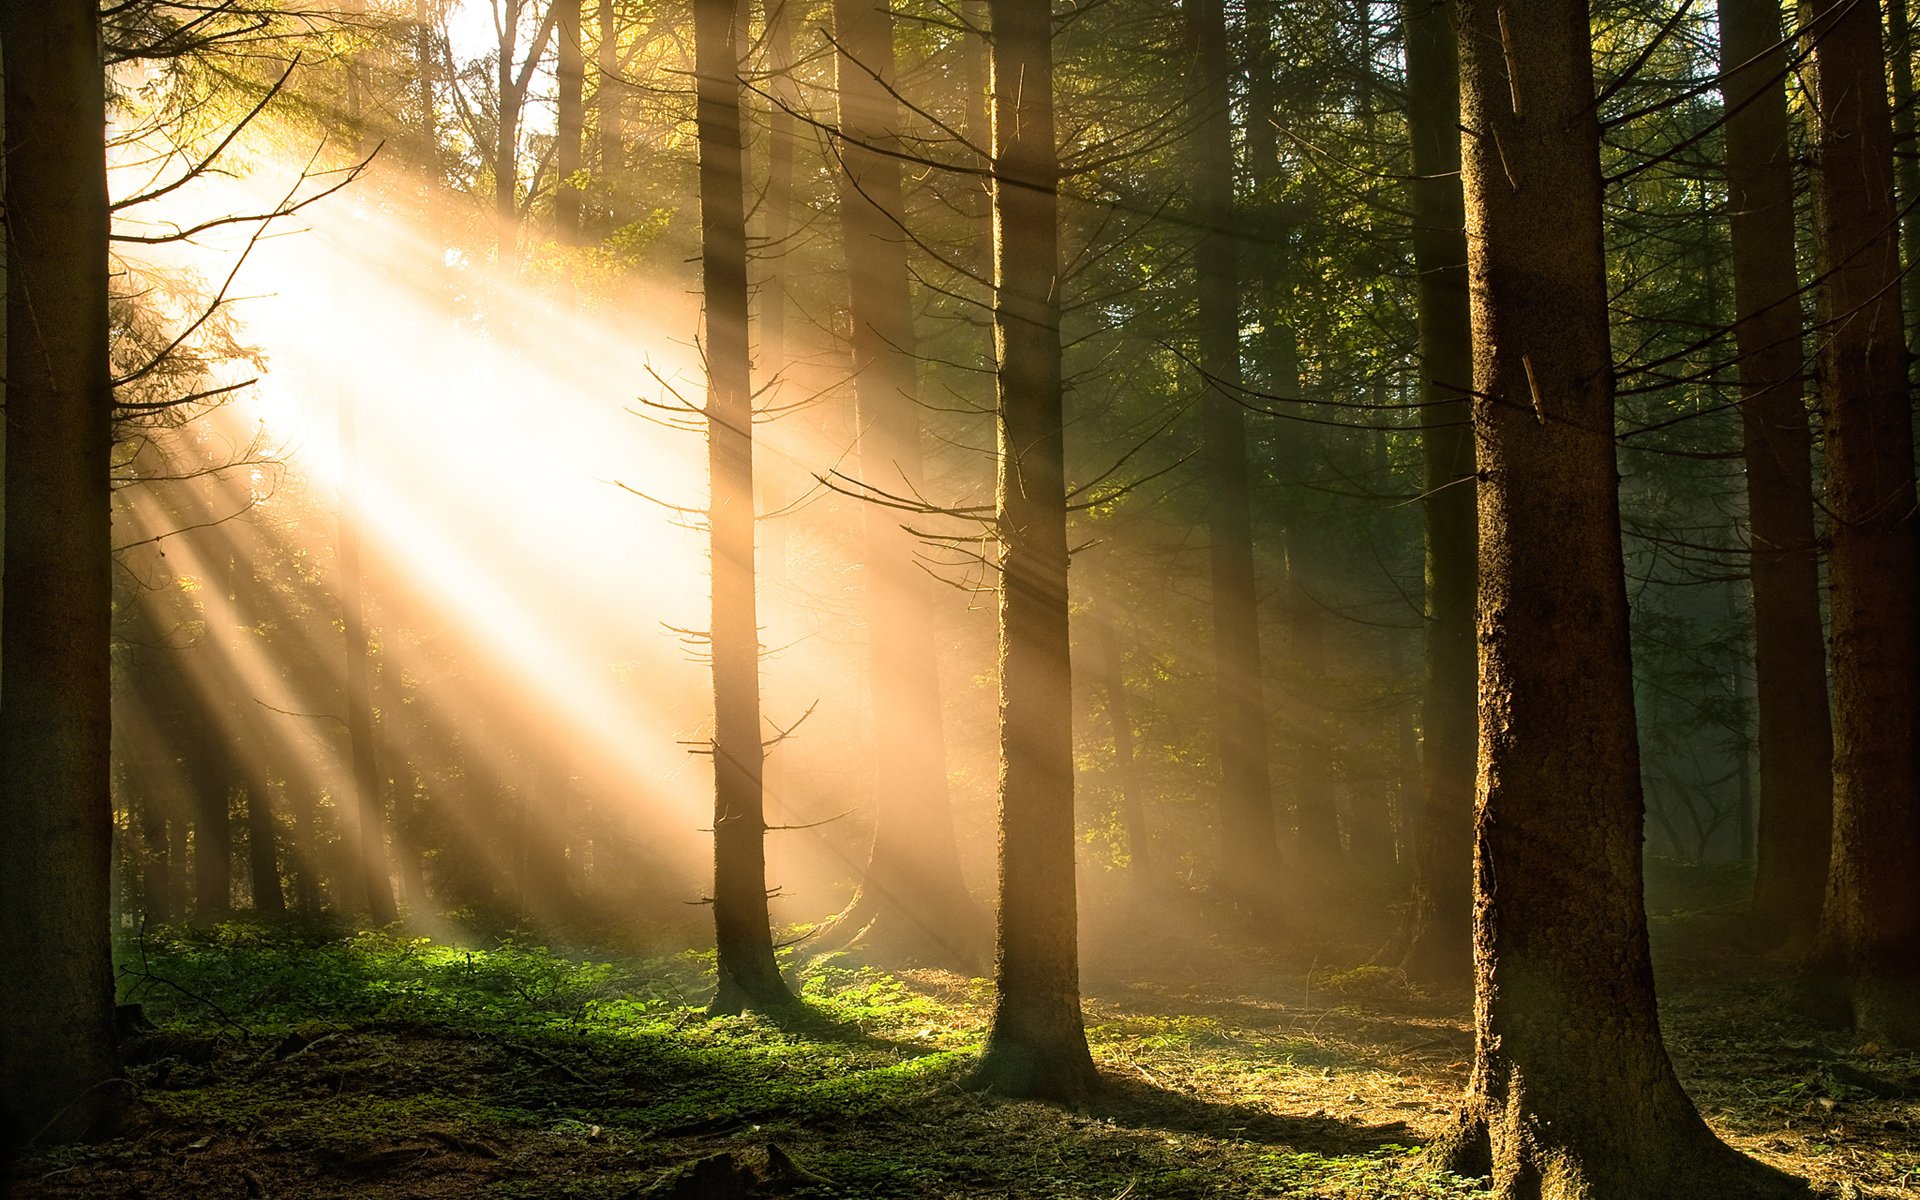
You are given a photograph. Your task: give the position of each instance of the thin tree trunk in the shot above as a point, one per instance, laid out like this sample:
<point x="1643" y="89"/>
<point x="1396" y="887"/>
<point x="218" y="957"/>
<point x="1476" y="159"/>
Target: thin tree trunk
<point x="57" y="1055"/>
<point x="608" y="112"/>
<point x="1865" y="964"/>
<point x="1037" y="1044"/>
<point x="1250" y="850"/>
<point x="1437" y="938"/>
<point x="1571" y="1080"/>
<point x="743" y="936"/>
<point x="912" y="894"/>
<point x="569" y="129"/>
<point x="263" y="865"/>
<point x="210" y="771"/>
<point x="1795" y="731"/>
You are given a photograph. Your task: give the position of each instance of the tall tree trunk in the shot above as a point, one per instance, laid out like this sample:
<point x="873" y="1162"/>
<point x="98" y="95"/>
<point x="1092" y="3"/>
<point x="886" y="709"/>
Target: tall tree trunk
<point x="743" y="936"/>
<point x="57" y="1055"/>
<point x="1866" y="957"/>
<point x="1795" y="731"/>
<point x="1037" y="1045"/>
<point x="911" y="895"/>
<point x="1437" y="939"/>
<point x="1250" y="849"/>
<point x="608" y="112"/>
<point x="569" y="128"/>
<point x="1571" y="1079"/>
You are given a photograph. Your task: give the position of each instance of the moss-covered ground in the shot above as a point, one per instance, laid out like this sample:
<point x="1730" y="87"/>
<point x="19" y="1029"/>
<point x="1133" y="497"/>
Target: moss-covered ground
<point x="286" y="1062"/>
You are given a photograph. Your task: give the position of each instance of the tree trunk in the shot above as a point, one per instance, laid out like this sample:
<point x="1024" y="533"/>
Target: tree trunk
<point x="1571" y="1081"/>
<point x="743" y="936"/>
<point x="1250" y="850"/>
<point x="1866" y="959"/>
<point x="608" y="112"/>
<point x="1037" y="1045"/>
<point x="209" y="769"/>
<point x="912" y="895"/>
<point x="58" y="1065"/>
<point x="570" y="76"/>
<point x="1437" y="938"/>
<point x="1795" y="731"/>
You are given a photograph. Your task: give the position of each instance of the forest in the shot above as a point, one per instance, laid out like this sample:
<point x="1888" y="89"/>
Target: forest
<point x="1113" y="599"/>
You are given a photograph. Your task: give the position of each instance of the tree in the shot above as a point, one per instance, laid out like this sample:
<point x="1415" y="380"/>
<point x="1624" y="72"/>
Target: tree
<point x="1437" y="938"/>
<point x="1250" y="851"/>
<point x="58" y="1065"/>
<point x="1037" y="1045"/>
<point x="1865" y="965"/>
<point x="912" y="892"/>
<point x="1795" y="731"/>
<point x="743" y="937"/>
<point x="1571" y="1082"/>
<point x="569" y="134"/>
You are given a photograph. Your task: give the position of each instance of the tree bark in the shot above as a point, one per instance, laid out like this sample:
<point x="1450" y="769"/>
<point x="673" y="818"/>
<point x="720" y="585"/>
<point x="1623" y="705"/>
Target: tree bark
<point x="912" y="895"/>
<point x="1795" y="731"/>
<point x="743" y="936"/>
<point x="59" y="1071"/>
<point x="1865" y="965"/>
<point x="608" y="112"/>
<point x="1571" y="1080"/>
<point x="1250" y="850"/>
<point x="1436" y="942"/>
<point x="1037" y="1044"/>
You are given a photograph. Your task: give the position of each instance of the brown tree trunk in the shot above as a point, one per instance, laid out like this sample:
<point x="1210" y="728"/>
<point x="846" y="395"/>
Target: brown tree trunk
<point x="58" y="1066"/>
<point x="1866" y="958"/>
<point x="1037" y="1045"/>
<point x="1571" y="1080"/>
<point x="1795" y="732"/>
<point x="748" y="977"/>
<point x="911" y="896"/>
<point x="1436" y="943"/>
<point x="570" y="75"/>
<point x="1250" y="851"/>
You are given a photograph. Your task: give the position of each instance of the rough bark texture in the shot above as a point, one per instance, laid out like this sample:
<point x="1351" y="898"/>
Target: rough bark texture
<point x="1249" y="847"/>
<point x="1866" y="959"/>
<point x="1436" y="945"/>
<point x="1037" y="1045"/>
<point x="748" y="977"/>
<point x="58" y="1069"/>
<point x="1571" y="1079"/>
<point x="1795" y="734"/>
<point x="911" y="896"/>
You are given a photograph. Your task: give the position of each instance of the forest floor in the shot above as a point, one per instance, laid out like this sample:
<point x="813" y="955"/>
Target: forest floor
<point x="288" y="1063"/>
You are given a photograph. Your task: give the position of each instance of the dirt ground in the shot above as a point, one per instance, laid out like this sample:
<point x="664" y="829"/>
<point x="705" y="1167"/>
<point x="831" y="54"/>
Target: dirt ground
<point x="1232" y="1067"/>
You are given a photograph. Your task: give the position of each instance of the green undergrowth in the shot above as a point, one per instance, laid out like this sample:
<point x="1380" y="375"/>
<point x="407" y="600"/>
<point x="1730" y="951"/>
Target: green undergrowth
<point x="377" y="1064"/>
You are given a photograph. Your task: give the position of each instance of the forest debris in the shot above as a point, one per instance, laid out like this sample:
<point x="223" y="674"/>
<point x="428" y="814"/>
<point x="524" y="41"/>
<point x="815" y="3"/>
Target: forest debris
<point x="730" y="1175"/>
<point x="453" y="1141"/>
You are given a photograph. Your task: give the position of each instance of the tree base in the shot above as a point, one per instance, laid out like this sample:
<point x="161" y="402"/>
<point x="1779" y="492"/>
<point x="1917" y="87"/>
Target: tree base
<point x="765" y="992"/>
<point x="1014" y="1068"/>
<point x="1530" y="1165"/>
<point x="953" y="934"/>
